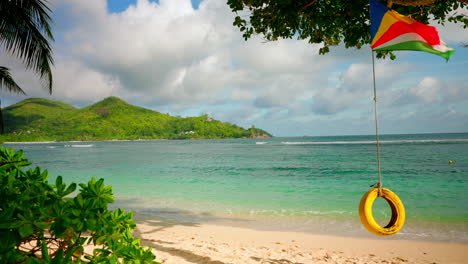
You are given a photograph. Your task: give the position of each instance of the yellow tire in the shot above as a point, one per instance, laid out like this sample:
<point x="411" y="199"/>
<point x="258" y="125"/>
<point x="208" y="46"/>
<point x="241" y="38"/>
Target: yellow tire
<point x="367" y="219"/>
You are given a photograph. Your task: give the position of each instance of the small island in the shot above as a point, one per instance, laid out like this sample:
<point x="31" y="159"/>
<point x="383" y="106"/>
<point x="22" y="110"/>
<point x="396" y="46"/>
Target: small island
<point x="38" y="119"/>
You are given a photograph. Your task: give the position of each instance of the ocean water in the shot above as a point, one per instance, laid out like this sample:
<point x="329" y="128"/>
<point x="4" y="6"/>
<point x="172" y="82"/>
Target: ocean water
<point x="305" y="184"/>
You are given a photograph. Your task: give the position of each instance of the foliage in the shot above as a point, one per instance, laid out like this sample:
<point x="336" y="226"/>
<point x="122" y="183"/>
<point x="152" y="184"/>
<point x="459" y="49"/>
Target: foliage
<point x="7" y="82"/>
<point x="112" y="118"/>
<point x="42" y="223"/>
<point x="25" y="32"/>
<point x="328" y="22"/>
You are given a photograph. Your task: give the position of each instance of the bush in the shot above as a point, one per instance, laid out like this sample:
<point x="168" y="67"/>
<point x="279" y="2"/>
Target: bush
<point x="42" y="223"/>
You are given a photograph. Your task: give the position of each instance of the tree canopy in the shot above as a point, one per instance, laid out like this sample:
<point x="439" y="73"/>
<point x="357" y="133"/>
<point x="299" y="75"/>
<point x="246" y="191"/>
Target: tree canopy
<point x="25" y="32"/>
<point x="332" y="22"/>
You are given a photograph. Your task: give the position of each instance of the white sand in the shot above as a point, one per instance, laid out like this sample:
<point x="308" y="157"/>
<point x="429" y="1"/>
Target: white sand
<point x="175" y="243"/>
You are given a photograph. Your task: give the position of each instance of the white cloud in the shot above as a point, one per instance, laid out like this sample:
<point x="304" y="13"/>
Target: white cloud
<point x="173" y="58"/>
<point x="431" y="91"/>
<point x="427" y="90"/>
<point x="355" y="87"/>
<point x="76" y="83"/>
<point x="170" y="53"/>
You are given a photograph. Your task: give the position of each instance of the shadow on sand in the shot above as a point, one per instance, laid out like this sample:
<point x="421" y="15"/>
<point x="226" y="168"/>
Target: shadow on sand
<point x="166" y="219"/>
<point x="159" y="219"/>
<point x="182" y="253"/>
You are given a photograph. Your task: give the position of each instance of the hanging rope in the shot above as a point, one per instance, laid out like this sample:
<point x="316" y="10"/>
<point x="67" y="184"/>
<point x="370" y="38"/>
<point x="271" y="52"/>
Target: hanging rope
<point x="379" y="183"/>
<point x="410" y="2"/>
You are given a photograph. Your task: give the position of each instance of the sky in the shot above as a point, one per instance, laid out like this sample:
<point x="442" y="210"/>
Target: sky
<point x="185" y="58"/>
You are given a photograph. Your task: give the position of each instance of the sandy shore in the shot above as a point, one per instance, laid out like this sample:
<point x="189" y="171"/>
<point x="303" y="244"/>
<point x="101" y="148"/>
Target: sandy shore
<point x="180" y="243"/>
<point x="81" y="141"/>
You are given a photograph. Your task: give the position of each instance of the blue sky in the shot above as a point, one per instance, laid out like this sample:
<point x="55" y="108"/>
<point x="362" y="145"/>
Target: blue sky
<point x="185" y="58"/>
<point x="117" y="6"/>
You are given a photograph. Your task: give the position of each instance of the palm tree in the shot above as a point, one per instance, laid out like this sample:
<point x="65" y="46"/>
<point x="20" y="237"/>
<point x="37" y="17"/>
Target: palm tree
<point x="25" y="32"/>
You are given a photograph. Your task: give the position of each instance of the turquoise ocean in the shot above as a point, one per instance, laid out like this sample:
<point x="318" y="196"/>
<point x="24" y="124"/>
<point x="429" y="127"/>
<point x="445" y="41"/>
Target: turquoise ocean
<point x="303" y="184"/>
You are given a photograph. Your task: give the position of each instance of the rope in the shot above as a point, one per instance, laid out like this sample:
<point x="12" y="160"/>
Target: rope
<point x="411" y="2"/>
<point x="379" y="184"/>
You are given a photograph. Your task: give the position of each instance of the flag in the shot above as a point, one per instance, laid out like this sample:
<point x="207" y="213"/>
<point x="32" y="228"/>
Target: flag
<point x="393" y="31"/>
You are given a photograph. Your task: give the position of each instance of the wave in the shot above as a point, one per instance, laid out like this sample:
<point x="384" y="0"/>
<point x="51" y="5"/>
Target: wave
<point x="260" y="143"/>
<point x="80" y="146"/>
<point x="400" y="141"/>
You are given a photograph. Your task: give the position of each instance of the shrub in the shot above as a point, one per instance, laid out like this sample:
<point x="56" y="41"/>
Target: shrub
<point x="43" y="223"/>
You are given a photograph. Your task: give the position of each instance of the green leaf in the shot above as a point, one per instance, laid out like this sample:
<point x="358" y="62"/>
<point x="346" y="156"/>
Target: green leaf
<point x="100" y="240"/>
<point x="79" y="200"/>
<point x="71" y="188"/>
<point x="59" y="185"/>
<point x="32" y="261"/>
<point x="26" y="230"/>
<point x="45" y="252"/>
<point x="58" y="258"/>
<point x="41" y="225"/>
<point x="76" y="212"/>
<point x="8" y="225"/>
<point x="80" y="226"/>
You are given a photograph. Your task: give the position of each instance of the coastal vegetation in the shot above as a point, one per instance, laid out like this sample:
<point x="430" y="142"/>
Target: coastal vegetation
<point x="110" y="119"/>
<point x="52" y="223"/>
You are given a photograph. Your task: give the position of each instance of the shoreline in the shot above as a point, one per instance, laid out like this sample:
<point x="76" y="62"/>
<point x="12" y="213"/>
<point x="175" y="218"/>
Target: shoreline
<point x="184" y="242"/>
<point x="81" y="141"/>
<point x="119" y="140"/>
<point x="349" y="227"/>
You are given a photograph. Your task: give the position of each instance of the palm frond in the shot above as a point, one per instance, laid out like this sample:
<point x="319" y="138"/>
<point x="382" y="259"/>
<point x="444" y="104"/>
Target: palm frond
<point x="6" y="82"/>
<point x="24" y="32"/>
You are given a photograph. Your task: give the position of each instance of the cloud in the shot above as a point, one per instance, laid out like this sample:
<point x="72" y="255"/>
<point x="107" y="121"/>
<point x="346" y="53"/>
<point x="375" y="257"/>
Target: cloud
<point x="170" y="53"/>
<point x="428" y="90"/>
<point x="78" y="84"/>
<point x="173" y="58"/>
<point x="355" y="86"/>
<point x="153" y="49"/>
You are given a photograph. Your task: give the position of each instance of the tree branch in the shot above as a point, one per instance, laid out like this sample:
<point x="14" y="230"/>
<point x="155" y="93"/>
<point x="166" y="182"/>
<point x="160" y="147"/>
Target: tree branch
<point x="411" y="2"/>
<point x="311" y="3"/>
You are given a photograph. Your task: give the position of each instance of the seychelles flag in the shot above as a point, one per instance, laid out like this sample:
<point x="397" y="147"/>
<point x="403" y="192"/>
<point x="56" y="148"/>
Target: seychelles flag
<point x="393" y="31"/>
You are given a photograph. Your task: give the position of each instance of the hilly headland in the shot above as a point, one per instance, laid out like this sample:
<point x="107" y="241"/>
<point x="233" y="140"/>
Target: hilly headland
<point x="38" y="119"/>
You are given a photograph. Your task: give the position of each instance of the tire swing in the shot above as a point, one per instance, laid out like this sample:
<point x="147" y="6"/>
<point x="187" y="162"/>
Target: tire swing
<point x="396" y="205"/>
<point x="365" y="206"/>
<point x="367" y="219"/>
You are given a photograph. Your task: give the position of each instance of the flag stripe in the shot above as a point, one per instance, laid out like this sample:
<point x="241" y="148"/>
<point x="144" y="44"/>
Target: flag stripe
<point x="386" y="22"/>
<point x="377" y="13"/>
<point x="428" y="33"/>
<point x="399" y="39"/>
<point x="391" y="30"/>
<point x="418" y="46"/>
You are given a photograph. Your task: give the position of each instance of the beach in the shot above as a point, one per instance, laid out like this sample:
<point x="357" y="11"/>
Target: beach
<point x="278" y="200"/>
<point x="180" y="243"/>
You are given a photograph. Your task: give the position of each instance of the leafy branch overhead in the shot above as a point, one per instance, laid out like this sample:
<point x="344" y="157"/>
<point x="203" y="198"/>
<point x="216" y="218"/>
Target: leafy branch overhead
<point x="329" y="22"/>
<point x="25" y="32"/>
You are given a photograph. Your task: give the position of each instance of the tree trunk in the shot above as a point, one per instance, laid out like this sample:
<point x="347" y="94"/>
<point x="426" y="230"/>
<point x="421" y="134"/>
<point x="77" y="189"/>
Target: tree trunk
<point x="1" y="119"/>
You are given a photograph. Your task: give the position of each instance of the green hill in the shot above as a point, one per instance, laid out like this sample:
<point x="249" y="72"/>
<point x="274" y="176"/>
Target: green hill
<point x="45" y="120"/>
<point x="33" y="109"/>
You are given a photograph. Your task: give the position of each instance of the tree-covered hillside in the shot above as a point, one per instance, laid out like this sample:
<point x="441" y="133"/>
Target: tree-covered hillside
<point x="45" y="120"/>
